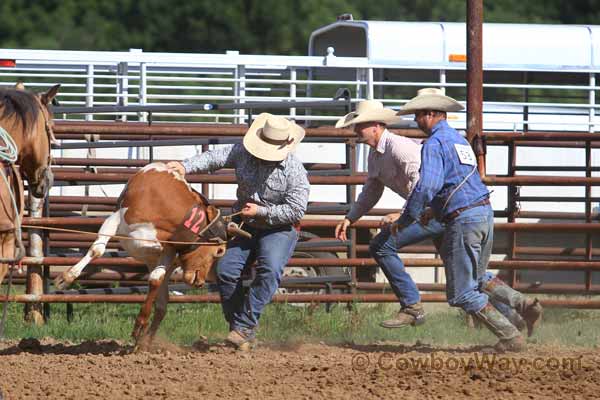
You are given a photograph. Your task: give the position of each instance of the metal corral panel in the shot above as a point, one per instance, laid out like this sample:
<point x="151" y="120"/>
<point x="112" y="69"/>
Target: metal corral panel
<point x="506" y="46"/>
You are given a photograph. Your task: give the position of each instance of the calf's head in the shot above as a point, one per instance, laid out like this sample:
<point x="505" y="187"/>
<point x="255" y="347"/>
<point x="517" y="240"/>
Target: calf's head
<point x="198" y="264"/>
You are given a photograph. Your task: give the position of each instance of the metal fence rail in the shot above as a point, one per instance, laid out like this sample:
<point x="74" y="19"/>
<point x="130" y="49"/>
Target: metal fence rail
<point x="519" y="113"/>
<point x="517" y="100"/>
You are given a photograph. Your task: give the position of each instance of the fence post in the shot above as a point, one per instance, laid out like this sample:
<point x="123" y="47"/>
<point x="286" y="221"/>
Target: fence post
<point x="122" y="86"/>
<point x="475" y="77"/>
<point x="142" y="93"/>
<point x="240" y="91"/>
<point x="293" y="87"/>
<point x="89" y="90"/>
<point x="33" y="311"/>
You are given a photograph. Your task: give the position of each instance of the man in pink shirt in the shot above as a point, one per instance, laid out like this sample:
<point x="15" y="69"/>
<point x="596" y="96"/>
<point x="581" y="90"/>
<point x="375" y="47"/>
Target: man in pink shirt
<point x="394" y="162"/>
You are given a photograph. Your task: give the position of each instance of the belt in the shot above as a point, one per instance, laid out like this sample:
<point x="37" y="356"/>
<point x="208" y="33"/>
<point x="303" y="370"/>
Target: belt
<point x="458" y="211"/>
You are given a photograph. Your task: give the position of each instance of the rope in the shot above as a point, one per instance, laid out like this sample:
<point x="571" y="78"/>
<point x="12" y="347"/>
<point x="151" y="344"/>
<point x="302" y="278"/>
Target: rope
<point x="8" y="151"/>
<point x="51" y="228"/>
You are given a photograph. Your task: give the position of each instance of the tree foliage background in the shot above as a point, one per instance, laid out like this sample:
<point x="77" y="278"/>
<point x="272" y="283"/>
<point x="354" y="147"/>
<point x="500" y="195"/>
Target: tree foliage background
<point x="250" y="26"/>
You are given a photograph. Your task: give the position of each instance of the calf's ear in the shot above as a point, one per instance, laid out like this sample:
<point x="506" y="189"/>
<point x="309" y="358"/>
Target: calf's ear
<point x="212" y="212"/>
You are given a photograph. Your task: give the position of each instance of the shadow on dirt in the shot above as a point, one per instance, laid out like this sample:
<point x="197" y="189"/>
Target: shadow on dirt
<point x="416" y="348"/>
<point x="33" y="346"/>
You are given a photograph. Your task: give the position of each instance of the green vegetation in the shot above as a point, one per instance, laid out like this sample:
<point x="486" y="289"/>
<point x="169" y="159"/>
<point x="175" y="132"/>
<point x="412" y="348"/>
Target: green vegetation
<point x="186" y="323"/>
<point x="251" y="26"/>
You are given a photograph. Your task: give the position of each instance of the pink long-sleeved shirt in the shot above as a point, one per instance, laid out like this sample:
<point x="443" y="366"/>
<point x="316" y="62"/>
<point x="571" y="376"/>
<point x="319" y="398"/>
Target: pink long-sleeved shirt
<point x="394" y="163"/>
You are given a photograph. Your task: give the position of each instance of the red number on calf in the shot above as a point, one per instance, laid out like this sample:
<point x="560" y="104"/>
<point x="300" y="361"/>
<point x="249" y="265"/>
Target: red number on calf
<point x="191" y="218"/>
<point x="196" y="213"/>
<point x="196" y="226"/>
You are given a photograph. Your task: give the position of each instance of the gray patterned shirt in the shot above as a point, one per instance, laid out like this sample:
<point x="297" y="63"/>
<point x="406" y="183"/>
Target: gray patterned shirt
<point x="279" y="188"/>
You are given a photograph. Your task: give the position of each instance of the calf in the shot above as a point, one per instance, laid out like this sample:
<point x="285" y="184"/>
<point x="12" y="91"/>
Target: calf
<point x="158" y="215"/>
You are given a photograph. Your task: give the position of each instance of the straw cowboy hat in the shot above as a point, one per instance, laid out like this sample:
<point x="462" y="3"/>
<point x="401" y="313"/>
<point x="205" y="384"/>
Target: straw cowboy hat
<point x="368" y="111"/>
<point x="430" y="99"/>
<point x="271" y="137"/>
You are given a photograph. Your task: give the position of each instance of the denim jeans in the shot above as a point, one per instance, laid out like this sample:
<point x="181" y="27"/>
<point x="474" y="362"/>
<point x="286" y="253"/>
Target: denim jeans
<point x="384" y="249"/>
<point x="271" y="249"/>
<point x="466" y="249"/>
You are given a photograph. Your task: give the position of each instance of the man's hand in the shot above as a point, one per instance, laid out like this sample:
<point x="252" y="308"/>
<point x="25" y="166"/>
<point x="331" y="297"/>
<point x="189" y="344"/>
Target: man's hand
<point x="388" y="219"/>
<point x="250" y="210"/>
<point x="426" y="216"/>
<point x="177" y="167"/>
<point x="341" y="228"/>
<point x="395" y="227"/>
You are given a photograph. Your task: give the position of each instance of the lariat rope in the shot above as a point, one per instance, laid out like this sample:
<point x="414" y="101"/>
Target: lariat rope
<point x="51" y="228"/>
<point x="9" y="154"/>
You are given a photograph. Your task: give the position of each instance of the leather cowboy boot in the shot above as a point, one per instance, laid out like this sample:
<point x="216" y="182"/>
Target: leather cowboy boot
<point x="530" y="310"/>
<point x="510" y="337"/>
<point x="409" y="315"/>
<point x="516" y="319"/>
<point x="510" y="313"/>
<point x="242" y="339"/>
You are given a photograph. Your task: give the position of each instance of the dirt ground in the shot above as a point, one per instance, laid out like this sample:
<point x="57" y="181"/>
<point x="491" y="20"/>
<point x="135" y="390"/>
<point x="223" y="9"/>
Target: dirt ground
<point x="30" y="369"/>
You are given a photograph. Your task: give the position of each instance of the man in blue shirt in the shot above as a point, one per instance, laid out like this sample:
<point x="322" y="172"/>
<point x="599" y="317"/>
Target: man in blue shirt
<point x="450" y="189"/>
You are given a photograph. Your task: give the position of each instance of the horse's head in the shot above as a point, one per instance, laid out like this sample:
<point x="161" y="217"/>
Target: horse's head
<point x="198" y="264"/>
<point x="35" y="152"/>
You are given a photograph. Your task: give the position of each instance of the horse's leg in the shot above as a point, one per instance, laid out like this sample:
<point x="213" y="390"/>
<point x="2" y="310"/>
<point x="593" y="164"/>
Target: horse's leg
<point x="157" y="277"/>
<point x="6" y="239"/>
<point x="108" y="228"/>
<point x="3" y="271"/>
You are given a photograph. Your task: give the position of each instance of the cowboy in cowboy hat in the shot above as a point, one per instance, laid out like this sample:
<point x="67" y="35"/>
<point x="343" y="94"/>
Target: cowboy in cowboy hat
<point x="450" y="185"/>
<point x="394" y="163"/>
<point x="272" y="197"/>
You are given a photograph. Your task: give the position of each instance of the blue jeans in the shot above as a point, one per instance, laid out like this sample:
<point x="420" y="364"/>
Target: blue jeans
<point x="384" y="249"/>
<point x="271" y="248"/>
<point x="466" y="249"/>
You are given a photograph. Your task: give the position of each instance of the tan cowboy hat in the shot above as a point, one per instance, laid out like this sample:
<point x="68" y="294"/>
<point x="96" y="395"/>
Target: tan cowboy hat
<point x="430" y="99"/>
<point x="368" y="111"/>
<point x="271" y="137"/>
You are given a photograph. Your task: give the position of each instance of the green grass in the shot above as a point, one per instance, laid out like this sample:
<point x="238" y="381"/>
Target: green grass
<point x="282" y="323"/>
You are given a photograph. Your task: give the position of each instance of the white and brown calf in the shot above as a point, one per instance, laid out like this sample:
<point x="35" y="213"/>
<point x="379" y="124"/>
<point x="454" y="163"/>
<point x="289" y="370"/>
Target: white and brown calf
<point x="159" y="205"/>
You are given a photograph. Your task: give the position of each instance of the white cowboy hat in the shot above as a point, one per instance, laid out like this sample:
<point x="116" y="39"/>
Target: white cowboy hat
<point x="368" y="111"/>
<point x="430" y="99"/>
<point x="271" y="137"/>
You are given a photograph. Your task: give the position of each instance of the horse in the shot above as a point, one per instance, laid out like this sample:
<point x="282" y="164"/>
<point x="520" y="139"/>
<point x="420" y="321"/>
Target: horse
<point x="27" y="118"/>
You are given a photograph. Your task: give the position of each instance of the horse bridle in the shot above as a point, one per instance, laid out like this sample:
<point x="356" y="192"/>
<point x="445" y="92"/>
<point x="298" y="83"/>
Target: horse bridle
<point x="49" y="131"/>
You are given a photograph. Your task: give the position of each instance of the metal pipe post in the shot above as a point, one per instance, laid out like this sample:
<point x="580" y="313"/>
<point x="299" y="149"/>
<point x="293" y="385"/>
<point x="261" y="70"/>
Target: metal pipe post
<point x="475" y="76"/>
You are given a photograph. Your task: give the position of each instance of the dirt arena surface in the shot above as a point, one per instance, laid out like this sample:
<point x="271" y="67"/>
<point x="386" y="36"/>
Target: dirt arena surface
<point x="108" y="370"/>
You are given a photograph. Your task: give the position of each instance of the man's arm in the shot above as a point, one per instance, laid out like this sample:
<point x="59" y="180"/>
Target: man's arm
<point x="430" y="182"/>
<point x="212" y="160"/>
<point x="369" y="196"/>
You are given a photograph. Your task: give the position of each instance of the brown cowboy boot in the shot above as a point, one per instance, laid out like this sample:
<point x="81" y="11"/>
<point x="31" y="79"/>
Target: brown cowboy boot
<point x="530" y="310"/>
<point x="516" y="319"/>
<point x="409" y="315"/>
<point x="510" y="337"/>
<point x="243" y="341"/>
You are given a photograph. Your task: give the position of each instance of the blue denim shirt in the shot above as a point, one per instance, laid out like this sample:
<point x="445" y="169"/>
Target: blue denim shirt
<point x="446" y="160"/>
<point x="279" y="188"/>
